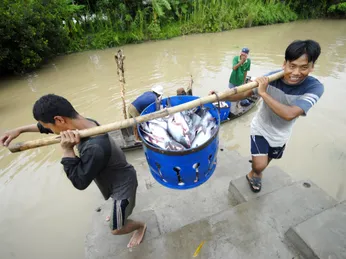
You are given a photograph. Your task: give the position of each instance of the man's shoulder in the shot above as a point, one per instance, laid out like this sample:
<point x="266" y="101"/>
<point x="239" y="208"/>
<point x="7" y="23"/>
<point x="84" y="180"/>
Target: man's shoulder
<point x="313" y="85"/>
<point x="98" y="143"/>
<point x="148" y="94"/>
<point x="309" y="85"/>
<point x="312" y="81"/>
<point x="145" y="94"/>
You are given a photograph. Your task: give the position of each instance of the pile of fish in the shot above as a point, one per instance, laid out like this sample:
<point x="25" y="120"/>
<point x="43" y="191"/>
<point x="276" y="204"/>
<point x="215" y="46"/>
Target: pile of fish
<point x="180" y="131"/>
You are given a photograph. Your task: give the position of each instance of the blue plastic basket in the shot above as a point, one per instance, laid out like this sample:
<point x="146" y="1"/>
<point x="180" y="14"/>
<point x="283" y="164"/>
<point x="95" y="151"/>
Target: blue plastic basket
<point x="184" y="169"/>
<point x="224" y="112"/>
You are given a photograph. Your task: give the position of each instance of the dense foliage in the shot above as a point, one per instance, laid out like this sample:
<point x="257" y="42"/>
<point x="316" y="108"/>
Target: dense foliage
<point x="33" y="30"/>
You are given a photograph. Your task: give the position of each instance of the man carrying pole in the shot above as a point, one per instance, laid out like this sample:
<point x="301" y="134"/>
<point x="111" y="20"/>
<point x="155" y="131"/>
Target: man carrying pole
<point x="100" y="160"/>
<point x="284" y="100"/>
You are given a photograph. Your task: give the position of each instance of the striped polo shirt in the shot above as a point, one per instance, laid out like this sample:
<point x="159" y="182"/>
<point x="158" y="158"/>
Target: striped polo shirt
<point x="272" y="127"/>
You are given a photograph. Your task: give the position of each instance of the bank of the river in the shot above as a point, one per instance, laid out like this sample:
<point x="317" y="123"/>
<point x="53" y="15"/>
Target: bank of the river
<point x="34" y="31"/>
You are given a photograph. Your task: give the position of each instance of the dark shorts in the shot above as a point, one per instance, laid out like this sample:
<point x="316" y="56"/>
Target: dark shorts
<point x="261" y="147"/>
<point x="121" y="210"/>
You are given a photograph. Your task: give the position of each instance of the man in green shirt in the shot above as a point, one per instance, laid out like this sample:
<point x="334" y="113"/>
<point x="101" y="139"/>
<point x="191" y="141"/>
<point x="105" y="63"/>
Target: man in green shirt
<point x="241" y="64"/>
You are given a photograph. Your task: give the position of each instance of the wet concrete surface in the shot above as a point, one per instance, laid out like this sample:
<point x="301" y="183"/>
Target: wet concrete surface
<point x="255" y="228"/>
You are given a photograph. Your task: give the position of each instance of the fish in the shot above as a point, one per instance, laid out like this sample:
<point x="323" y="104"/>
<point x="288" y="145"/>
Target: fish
<point x="179" y="129"/>
<point x="160" y="121"/>
<point x="203" y="136"/>
<point x="158" y="136"/>
<point x="145" y="127"/>
<point x="206" y="117"/>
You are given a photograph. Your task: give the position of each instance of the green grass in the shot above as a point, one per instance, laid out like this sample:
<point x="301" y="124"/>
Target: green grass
<point x="202" y="16"/>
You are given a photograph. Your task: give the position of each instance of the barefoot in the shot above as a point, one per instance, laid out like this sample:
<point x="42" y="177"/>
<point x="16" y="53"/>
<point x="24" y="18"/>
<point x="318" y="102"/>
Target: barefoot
<point x="137" y="237"/>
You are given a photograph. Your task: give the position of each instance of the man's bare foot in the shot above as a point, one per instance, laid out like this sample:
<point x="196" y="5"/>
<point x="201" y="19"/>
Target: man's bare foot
<point x="137" y="237"/>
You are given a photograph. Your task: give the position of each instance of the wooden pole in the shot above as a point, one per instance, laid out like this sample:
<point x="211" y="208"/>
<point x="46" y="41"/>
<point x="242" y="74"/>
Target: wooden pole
<point x="119" y="59"/>
<point x="131" y="122"/>
<point x="189" y="88"/>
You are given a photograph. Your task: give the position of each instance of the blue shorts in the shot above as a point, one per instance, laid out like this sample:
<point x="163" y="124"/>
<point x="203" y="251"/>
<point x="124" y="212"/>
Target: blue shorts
<point x="261" y="147"/>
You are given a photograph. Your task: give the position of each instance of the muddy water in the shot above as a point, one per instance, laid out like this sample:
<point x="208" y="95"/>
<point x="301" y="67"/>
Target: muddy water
<point x="43" y="216"/>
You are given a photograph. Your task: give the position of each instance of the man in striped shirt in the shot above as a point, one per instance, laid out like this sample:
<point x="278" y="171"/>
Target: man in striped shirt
<point x="284" y="100"/>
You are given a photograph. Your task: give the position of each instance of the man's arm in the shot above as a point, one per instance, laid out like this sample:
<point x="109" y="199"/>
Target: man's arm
<point x="81" y="170"/>
<point x="247" y="69"/>
<point x="245" y="75"/>
<point x="8" y="136"/>
<point x="236" y="97"/>
<point x="286" y="112"/>
<point x="237" y="65"/>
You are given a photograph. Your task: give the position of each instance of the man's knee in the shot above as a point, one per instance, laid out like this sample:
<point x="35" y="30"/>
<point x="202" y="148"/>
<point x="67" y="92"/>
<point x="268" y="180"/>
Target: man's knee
<point x="258" y="167"/>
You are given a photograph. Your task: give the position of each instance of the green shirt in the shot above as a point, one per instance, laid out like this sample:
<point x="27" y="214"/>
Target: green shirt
<point x="237" y="76"/>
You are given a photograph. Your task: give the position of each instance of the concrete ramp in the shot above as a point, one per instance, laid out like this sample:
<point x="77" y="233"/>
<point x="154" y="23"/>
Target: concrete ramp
<point x="254" y="229"/>
<point x="323" y="236"/>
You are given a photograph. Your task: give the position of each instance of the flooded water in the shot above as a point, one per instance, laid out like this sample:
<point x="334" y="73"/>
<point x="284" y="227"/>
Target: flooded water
<point x="43" y="216"/>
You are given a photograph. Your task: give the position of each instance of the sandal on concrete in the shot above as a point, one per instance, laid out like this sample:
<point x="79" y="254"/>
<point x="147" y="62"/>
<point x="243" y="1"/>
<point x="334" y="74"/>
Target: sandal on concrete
<point x="255" y="183"/>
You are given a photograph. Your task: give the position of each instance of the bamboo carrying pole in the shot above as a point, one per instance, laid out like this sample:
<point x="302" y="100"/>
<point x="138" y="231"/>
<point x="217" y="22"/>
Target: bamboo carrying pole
<point x="119" y="59"/>
<point x="133" y="121"/>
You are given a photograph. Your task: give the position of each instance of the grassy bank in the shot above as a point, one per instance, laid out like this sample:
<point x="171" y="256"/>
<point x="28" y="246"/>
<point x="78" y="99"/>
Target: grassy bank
<point x="32" y="31"/>
<point x="171" y="21"/>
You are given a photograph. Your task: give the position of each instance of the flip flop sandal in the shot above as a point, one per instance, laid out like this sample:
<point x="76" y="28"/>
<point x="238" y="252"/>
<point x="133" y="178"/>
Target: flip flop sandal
<point x="255" y="182"/>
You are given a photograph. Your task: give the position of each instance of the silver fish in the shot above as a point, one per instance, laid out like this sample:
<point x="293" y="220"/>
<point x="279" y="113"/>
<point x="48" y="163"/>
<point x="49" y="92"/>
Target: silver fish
<point x="160" y="141"/>
<point x="179" y="130"/>
<point x="160" y="121"/>
<point x="203" y="136"/>
<point x="159" y="136"/>
<point x="145" y="127"/>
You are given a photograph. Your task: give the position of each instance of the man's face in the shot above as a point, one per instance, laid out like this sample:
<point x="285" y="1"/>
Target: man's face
<point x="57" y="127"/>
<point x="297" y="70"/>
<point x="243" y="55"/>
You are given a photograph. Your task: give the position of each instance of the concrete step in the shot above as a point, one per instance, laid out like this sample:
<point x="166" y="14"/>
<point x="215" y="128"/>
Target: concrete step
<point x="322" y="236"/>
<point x="254" y="229"/>
<point x="273" y="179"/>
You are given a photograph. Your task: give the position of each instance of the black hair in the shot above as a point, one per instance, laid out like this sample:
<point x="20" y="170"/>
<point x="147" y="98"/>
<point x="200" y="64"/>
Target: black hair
<point x="299" y="47"/>
<point x="51" y="105"/>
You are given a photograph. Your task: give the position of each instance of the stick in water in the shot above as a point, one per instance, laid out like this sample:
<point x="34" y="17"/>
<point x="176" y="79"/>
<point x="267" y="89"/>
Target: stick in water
<point x="119" y="58"/>
<point x="140" y="119"/>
